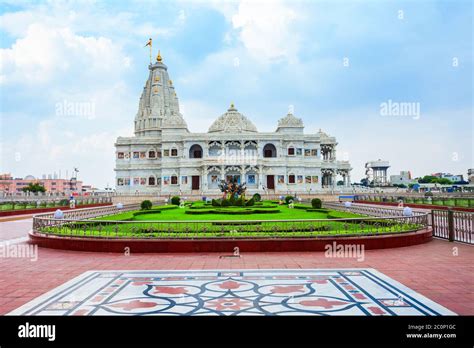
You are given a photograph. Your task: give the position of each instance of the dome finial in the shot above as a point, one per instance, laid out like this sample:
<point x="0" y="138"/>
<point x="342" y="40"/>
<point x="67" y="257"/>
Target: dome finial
<point x="158" y="57"/>
<point x="232" y="105"/>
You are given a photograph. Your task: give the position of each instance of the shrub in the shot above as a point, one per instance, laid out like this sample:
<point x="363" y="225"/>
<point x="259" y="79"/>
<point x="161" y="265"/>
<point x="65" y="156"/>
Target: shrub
<point x="64" y="202"/>
<point x="256" y="197"/>
<point x="146" y="212"/>
<point x="232" y="200"/>
<point x="146" y="205"/>
<point x="240" y="202"/>
<point x="316" y="210"/>
<point x="288" y="199"/>
<point x="316" y="203"/>
<point x="216" y="203"/>
<point x="250" y="202"/>
<point x="175" y="200"/>
<point x="226" y="203"/>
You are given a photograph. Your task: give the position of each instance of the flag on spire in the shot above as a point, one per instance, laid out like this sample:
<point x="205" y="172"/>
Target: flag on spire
<point x="149" y="43"/>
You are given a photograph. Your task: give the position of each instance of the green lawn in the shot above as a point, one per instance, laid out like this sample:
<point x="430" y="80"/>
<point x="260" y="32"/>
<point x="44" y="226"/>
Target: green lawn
<point x="174" y="222"/>
<point x="173" y="213"/>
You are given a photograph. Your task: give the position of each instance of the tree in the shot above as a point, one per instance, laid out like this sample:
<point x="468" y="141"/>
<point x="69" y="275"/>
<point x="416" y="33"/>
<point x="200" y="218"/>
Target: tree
<point x="34" y="187"/>
<point x="427" y="179"/>
<point x="442" y="181"/>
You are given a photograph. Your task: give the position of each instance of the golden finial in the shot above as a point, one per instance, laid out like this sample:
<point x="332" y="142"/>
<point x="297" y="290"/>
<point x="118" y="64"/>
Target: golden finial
<point x="232" y="105"/>
<point x="158" y="57"/>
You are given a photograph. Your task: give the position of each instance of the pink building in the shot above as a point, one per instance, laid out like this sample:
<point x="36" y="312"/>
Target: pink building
<point x="11" y="185"/>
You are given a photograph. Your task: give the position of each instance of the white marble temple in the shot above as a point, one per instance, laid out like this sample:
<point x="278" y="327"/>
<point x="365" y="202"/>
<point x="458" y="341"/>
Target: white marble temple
<point x="165" y="158"/>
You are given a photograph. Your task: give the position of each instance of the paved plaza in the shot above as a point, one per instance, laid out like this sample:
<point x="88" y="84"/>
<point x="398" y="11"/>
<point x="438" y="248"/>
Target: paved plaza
<point x="429" y="279"/>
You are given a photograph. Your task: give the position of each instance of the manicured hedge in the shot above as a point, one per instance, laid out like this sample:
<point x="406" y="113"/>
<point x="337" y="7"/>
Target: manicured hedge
<point x="145" y="212"/>
<point x="322" y="210"/>
<point x="232" y="211"/>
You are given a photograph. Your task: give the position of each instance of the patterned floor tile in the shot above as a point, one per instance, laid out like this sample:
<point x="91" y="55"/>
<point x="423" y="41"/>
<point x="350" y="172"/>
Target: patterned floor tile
<point x="358" y="291"/>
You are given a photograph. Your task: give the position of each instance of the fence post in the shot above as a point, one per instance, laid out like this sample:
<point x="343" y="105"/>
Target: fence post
<point x="451" y="224"/>
<point x="433" y="222"/>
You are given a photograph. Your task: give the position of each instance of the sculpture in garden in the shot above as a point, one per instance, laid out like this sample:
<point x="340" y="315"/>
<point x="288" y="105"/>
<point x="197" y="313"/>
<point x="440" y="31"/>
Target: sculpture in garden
<point x="232" y="188"/>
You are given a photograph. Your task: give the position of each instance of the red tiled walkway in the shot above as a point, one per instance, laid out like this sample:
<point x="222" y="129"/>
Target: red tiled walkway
<point x="430" y="269"/>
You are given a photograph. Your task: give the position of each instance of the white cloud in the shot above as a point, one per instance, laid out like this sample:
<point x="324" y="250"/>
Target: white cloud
<point x="406" y="143"/>
<point x="199" y="115"/>
<point x="266" y="29"/>
<point x="45" y="53"/>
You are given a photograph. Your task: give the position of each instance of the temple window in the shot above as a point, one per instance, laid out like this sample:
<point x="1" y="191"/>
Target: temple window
<point x="174" y="180"/>
<point x="291" y="151"/>
<point x="269" y="150"/>
<point x="291" y="179"/>
<point x="151" y="154"/>
<point x="151" y="181"/>
<point x="174" y="152"/>
<point x="195" y="151"/>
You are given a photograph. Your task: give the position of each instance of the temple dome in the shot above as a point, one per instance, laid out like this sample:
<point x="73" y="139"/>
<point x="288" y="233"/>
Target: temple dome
<point x="290" y="123"/>
<point x="232" y="122"/>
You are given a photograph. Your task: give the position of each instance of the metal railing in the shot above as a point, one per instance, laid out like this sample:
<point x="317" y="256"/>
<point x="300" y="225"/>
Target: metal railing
<point x="88" y="213"/>
<point x="453" y="225"/>
<point x="370" y="210"/>
<point x="307" y="228"/>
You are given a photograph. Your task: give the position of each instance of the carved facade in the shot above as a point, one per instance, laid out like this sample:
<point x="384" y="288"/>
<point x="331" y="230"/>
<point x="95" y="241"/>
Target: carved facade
<point x="164" y="158"/>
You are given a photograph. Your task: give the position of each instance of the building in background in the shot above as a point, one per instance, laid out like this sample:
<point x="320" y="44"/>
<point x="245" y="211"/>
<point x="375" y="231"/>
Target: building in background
<point x="404" y="178"/>
<point x="453" y="178"/>
<point x="10" y="185"/>
<point x="376" y="172"/>
<point x="470" y="175"/>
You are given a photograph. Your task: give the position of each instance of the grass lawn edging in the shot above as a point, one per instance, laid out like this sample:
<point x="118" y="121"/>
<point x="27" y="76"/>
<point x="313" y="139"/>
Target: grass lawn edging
<point x="227" y="245"/>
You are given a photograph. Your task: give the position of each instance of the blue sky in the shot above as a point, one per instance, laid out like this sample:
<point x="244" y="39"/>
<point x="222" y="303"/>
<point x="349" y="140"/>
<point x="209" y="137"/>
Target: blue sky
<point x="288" y="53"/>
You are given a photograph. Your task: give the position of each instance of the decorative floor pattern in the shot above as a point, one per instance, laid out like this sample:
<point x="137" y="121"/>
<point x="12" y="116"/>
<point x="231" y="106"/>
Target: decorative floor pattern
<point x="358" y="291"/>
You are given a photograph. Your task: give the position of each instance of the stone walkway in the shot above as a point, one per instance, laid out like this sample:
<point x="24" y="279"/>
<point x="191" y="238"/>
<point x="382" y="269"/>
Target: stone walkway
<point x="439" y="270"/>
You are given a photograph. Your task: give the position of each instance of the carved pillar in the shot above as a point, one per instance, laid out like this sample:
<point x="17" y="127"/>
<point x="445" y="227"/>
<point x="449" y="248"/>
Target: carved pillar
<point x="204" y="178"/>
